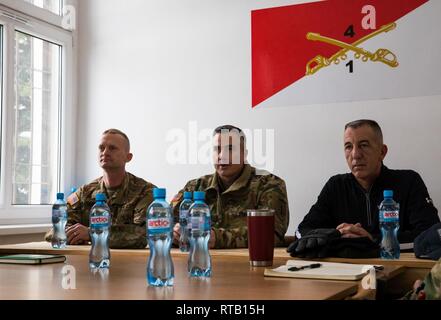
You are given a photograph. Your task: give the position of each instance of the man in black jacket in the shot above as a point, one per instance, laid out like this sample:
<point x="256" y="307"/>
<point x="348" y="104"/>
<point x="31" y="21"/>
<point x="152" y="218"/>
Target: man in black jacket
<point x="349" y="202"/>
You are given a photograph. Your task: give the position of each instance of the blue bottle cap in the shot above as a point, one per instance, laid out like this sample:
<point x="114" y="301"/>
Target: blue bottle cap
<point x="158" y="193"/>
<point x="188" y="195"/>
<point x="73" y="189"/>
<point x="100" y="197"/>
<point x="388" y="193"/>
<point x="60" y="196"/>
<point x="199" y="195"/>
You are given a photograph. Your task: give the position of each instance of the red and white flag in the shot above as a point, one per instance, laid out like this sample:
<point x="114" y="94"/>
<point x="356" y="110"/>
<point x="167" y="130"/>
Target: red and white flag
<point x="345" y="50"/>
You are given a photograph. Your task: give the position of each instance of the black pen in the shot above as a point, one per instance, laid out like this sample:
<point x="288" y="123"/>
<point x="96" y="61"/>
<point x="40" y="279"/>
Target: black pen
<point x="309" y="266"/>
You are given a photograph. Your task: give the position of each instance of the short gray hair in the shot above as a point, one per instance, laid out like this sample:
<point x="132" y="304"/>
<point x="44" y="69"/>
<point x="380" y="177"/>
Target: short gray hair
<point x="366" y="122"/>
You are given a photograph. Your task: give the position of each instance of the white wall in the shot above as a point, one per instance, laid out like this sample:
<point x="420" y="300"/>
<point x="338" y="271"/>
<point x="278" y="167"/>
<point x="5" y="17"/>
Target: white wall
<point x="147" y="67"/>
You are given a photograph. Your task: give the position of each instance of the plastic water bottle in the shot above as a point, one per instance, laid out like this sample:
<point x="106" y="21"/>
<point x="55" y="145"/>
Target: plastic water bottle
<point x="59" y="219"/>
<point x="389" y="225"/>
<point x="160" y="270"/>
<point x="184" y="243"/>
<point x="199" y="260"/>
<point x="100" y="222"/>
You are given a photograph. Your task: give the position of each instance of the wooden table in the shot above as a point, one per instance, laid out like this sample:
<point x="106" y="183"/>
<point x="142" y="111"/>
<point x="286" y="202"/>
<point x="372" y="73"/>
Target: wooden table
<point x="406" y="259"/>
<point x="44" y="247"/>
<point x="232" y="279"/>
<point x="399" y="274"/>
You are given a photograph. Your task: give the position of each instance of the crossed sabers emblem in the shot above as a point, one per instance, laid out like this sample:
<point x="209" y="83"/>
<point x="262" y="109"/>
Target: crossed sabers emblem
<point x="381" y="55"/>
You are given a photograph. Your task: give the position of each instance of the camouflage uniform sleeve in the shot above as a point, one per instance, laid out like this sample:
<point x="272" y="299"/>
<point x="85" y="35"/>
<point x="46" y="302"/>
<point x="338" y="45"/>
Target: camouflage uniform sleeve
<point x="432" y="283"/>
<point x="275" y="197"/>
<point x="48" y="235"/>
<point x="432" y="286"/>
<point x="231" y="238"/>
<point x="73" y="212"/>
<point x="74" y="207"/>
<point x="133" y="236"/>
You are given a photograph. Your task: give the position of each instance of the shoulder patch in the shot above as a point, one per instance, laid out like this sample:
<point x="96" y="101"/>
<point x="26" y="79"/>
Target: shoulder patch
<point x="72" y="199"/>
<point x="262" y="172"/>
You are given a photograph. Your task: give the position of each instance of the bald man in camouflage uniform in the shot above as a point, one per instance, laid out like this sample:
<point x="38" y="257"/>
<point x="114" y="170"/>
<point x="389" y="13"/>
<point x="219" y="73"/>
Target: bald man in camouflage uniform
<point x="127" y="196"/>
<point x="234" y="188"/>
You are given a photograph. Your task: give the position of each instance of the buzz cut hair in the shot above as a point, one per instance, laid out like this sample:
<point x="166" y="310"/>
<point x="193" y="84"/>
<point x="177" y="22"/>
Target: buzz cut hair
<point x="366" y="122"/>
<point x="119" y="132"/>
<point x="227" y="128"/>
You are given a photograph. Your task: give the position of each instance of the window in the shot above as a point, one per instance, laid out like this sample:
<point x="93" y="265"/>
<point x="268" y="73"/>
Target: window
<point x="36" y="115"/>
<point x="1" y="100"/>
<point x="54" y="6"/>
<point x="36" y="129"/>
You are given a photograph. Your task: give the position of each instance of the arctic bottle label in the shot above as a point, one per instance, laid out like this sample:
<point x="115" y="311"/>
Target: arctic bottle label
<point x="97" y="222"/>
<point x="57" y="213"/>
<point x="199" y="223"/>
<point x="390" y="216"/>
<point x="183" y="214"/>
<point x="158" y="225"/>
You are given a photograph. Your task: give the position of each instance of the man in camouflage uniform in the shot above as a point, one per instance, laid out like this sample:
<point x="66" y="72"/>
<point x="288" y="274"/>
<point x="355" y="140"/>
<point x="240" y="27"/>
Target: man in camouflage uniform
<point x="127" y="196"/>
<point x="234" y="188"/>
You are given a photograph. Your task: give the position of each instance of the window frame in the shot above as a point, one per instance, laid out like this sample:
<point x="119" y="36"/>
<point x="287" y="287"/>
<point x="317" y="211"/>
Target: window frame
<point x="34" y="214"/>
<point x="33" y="11"/>
<point x="60" y="4"/>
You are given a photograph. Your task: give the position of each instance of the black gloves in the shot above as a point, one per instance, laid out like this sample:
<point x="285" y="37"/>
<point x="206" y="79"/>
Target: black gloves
<point x="322" y="243"/>
<point x="314" y="244"/>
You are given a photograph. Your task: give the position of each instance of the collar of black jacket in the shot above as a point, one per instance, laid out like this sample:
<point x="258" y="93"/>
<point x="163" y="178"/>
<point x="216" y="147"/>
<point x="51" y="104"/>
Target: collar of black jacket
<point x="378" y="182"/>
